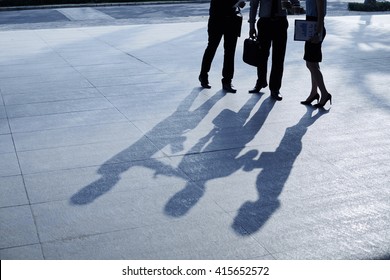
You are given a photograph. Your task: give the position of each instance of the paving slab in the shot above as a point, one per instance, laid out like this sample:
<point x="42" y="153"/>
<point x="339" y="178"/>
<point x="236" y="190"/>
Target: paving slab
<point x="111" y="150"/>
<point x="17" y="227"/>
<point x="13" y="192"/>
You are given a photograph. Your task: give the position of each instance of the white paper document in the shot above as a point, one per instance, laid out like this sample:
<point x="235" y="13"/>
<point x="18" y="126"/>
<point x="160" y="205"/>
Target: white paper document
<point x="304" y="29"/>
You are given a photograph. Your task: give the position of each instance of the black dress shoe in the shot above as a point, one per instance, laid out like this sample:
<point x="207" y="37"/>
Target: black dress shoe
<point x="276" y="95"/>
<point x="204" y="82"/>
<point x="228" y="87"/>
<point x="257" y="88"/>
<point x="254" y="90"/>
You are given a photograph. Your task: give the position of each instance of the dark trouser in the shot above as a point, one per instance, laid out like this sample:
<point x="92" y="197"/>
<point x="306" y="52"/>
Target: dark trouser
<point x="272" y="31"/>
<point x="215" y="33"/>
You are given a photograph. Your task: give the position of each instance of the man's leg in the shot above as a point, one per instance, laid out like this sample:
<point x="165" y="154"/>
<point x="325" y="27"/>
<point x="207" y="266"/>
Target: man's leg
<point x="212" y="46"/>
<point x="230" y="43"/>
<point x="278" y="53"/>
<point x="264" y="37"/>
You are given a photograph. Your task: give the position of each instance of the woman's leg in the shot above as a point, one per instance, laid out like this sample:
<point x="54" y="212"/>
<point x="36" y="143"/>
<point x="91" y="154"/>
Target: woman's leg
<point x="317" y="80"/>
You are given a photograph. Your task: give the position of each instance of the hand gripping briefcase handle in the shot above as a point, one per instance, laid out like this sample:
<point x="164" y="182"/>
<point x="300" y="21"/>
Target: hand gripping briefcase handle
<point x="252" y="52"/>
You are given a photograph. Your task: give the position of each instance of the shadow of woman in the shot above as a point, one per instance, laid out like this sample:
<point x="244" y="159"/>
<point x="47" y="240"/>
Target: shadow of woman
<point x="209" y="167"/>
<point x="112" y="169"/>
<point x="276" y="167"/>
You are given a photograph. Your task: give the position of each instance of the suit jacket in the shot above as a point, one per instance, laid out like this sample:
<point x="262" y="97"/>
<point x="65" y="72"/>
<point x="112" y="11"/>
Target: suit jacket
<point x="223" y="17"/>
<point x="222" y="8"/>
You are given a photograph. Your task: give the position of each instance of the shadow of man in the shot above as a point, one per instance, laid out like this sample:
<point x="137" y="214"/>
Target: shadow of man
<point x="208" y="167"/>
<point x="276" y="167"/>
<point x="112" y="169"/>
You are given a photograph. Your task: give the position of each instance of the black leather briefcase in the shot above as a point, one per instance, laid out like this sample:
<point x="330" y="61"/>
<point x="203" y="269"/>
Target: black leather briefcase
<point x="252" y="52"/>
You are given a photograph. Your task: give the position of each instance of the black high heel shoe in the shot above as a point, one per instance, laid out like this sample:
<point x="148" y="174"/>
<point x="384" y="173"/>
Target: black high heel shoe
<point x="322" y="104"/>
<point x="309" y="100"/>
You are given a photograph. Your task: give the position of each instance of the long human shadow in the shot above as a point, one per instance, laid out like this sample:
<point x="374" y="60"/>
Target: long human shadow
<point x="142" y="152"/>
<point x="206" y="166"/>
<point x="276" y="168"/>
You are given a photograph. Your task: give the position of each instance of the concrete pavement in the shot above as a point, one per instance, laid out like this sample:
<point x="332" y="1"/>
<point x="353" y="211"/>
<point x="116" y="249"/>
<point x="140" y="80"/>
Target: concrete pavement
<point x="111" y="150"/>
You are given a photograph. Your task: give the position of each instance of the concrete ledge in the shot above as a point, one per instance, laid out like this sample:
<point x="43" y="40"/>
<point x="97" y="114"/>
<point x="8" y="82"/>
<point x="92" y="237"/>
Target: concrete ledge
<point x="13" y="8"/>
